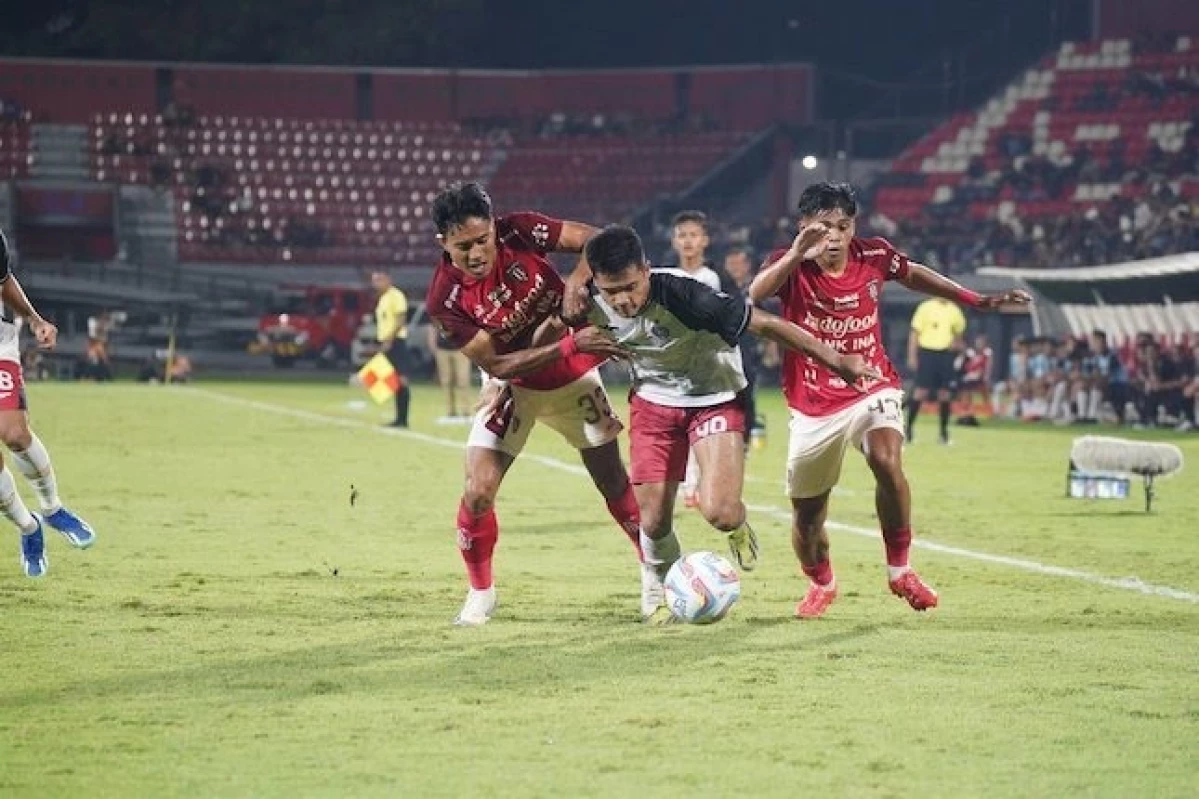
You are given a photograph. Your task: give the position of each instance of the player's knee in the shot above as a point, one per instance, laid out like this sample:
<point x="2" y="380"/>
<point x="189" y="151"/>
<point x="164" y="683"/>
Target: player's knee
<point x="16" y="436"/>
<point x="655" y="523"/>
<point x="886" y="463"/>
<point x="479" y="496"/>
<point x="724" y="514"/>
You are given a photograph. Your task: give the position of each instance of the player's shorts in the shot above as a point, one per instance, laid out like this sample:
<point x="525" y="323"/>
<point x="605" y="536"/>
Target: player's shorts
<point x="661" y="436"/>
<point x="12" y="387"/>
<point x="935" y="370"/>
<point x="818" y="443"/>
<point x="579" y="412"/>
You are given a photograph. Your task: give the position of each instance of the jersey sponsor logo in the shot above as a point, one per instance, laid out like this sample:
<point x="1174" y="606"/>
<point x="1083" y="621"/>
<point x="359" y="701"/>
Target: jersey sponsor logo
<point x="541" y="234"/>
<point x="843" y="326"/>
<point x="845" y="302"/>
<point x="872" y="253"/>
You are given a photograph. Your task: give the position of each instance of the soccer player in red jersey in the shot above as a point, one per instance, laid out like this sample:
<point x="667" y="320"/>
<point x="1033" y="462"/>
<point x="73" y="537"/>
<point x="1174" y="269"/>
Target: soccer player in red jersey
<point x="494" y="295"/>
<point x="830" y="283"/>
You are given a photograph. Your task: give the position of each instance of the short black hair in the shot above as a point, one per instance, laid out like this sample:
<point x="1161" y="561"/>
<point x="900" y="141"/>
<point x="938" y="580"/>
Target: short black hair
<point x="6" y="254"/>
<point x="698" y="217"/>
<point x="741" y="249"/>
<point x="826" y="196"/>
<point x="458" y="203"/>
<point x="1101" y="334"/>
<point x="614" y="249"/>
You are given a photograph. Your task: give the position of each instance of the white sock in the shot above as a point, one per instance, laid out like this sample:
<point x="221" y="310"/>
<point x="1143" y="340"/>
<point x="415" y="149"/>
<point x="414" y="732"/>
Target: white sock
<point x="660" y="553"/>
<point x="35" y="464"/>
<point x="12" y="506"/>
<point x="895" y="572"/>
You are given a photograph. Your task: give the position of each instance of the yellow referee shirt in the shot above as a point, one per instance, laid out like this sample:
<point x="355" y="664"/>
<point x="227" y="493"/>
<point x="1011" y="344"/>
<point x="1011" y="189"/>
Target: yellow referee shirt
<point x="391" y="315"/>
<point x="937" y="323"/>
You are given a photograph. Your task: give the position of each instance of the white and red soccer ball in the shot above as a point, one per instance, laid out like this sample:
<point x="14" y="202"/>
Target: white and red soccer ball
<point x="702" y="588"/>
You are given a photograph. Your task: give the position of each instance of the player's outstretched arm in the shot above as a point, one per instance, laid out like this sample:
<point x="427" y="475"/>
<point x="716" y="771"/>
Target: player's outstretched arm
<point x="14" y="297"/>
<point x="849" y="368"/>
<point x="808" y="243"/>
<point x="926" y="281"/>
<point x="576" y="299"/>
<point x="591" y="340"/>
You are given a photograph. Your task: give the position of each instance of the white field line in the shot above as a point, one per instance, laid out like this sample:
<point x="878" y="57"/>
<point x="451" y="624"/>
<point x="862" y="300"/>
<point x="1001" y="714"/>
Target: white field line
<point x="1124" y="583"/>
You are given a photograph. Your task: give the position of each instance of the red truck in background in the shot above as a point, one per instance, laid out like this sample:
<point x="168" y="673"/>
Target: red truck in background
<point x="318" y="322"/>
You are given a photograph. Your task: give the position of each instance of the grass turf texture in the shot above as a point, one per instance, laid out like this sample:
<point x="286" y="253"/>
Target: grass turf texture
<point x="204" y="647"/>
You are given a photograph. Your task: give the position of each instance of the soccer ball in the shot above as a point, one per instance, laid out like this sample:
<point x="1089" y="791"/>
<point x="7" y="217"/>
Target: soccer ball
<point x="702" y="587"/>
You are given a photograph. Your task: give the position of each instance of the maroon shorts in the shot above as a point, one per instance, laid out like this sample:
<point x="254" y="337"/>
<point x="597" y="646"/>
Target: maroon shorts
<point x="661" y="436"/>
<point x="12" y="387"/>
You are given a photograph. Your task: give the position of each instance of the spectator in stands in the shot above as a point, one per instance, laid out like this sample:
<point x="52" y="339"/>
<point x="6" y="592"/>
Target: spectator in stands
<point x="975" y="378"/>
<point x="1111" y="378"/>
<point x="97" y="362"/>
<point x="1161" y="381"/>
<point x="1190" y="391"/>
<point x="1015" y="387"/>
<point x="33" y="364"/>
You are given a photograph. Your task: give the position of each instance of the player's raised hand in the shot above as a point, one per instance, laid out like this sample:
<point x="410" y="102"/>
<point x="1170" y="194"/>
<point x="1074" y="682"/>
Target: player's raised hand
<point x="809" y="243"/>
<point x="853" y="368"/>
<point x="44" y="332"/>
<point x="595" y="341"/>
<point x="989" y="302"/>
<point x="576" y="299"/>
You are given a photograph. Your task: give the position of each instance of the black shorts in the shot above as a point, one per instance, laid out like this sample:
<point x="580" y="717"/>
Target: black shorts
<point x="397" y="353"/>
<point x="935" y="370"/>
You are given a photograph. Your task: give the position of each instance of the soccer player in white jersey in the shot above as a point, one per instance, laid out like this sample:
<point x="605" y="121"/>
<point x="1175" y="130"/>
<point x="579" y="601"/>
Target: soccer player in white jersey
<point x="689" y="240"/>
<point x="682" y="339"/>
<point x="831" y="283"/>
<point x="29" y="455"/>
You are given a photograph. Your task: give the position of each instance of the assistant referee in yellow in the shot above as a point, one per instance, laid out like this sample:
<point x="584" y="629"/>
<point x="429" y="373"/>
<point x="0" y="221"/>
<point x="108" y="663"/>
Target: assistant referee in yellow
<point x="937" y="328"/>
<point x="391" y="326"/>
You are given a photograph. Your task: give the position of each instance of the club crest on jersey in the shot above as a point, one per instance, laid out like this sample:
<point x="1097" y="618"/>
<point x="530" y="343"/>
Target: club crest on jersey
<point x="872" y="290"/>
<point x="660" y="334"/>
<point x="541" y="234"/>
<point x="846" y="302"/>
<point x="517" y="272"/>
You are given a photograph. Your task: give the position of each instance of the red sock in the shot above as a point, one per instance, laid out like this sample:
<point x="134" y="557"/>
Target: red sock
<point x="626" y="513"/>
<point x="897" y="542"/>
<point x="476" y="540"/>
<point x="821" y="573"/>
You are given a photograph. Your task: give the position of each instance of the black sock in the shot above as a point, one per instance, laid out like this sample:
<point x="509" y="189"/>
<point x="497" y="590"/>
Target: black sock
<point x="913" y="412"/>
<point x="402" y="398"/>
<point x="945" y="407"/>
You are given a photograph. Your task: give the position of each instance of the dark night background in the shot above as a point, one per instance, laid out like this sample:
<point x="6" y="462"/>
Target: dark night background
<point x="876" y="58"/>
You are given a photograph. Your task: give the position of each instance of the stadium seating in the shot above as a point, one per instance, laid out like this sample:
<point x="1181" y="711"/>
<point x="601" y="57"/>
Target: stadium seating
<point x="605" y="179"/>
<point x="14" y="147"/>
<point x="1089" y="124"/>
<point x="349" y="192"/>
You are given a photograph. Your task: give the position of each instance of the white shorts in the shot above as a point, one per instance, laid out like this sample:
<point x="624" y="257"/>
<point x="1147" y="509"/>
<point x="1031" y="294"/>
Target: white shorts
<point x="579" y="411"/>
<point x="817" y="444"/>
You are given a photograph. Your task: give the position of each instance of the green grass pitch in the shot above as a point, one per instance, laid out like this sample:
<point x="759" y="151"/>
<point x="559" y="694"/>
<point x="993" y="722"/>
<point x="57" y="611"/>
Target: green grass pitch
<point x="205" y="647"/>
